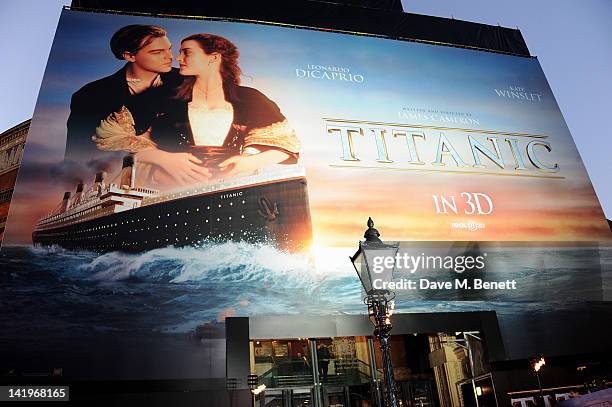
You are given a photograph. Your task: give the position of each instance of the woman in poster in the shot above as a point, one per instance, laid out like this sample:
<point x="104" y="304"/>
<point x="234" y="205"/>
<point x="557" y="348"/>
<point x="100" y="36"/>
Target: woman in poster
<point x="223" y="128"/>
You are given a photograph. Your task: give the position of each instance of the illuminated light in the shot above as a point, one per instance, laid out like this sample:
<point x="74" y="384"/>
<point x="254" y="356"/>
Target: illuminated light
<point x="259" y="389"/>
<point x="538" y="364"/>
<point x="391" y="308"/>
<point x="478" y="391"/>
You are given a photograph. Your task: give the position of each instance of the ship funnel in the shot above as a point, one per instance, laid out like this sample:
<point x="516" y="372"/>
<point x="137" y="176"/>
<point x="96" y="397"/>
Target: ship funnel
<point x="128" y="172"/>
<point x="99" y="182"/>
<point x="65" y="201"/>
<point x="78" y="194"/>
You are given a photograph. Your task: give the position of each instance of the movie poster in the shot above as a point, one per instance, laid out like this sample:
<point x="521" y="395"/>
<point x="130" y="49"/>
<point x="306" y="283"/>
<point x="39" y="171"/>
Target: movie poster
<point x="181" y="171"/>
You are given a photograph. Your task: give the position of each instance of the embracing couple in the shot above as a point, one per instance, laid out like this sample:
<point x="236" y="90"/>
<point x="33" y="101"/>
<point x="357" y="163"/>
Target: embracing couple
<point x="184" y="126"/>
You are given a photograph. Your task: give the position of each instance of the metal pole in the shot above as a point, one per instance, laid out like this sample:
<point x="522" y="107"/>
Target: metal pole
<point x="372" y="358"/>
<point x="318" y="399"/>
<point x="373" y="373"/>
<point x="377" y="305"/>
<point x="540" y="387"/>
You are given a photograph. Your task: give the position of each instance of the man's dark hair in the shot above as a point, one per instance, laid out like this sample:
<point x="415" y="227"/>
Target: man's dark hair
<point x="132" y="38"/>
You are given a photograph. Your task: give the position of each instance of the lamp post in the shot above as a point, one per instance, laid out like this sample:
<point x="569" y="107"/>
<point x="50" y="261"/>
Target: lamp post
<point x="537" y="364"/>
<point x="371" y="272"/>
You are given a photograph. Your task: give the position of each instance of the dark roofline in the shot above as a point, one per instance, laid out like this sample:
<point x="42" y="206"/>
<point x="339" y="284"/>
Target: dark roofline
<point x="331" y="16"/>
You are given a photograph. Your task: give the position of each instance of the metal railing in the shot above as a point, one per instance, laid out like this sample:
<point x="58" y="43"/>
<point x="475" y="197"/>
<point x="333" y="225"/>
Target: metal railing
<point x="299" y="373"/>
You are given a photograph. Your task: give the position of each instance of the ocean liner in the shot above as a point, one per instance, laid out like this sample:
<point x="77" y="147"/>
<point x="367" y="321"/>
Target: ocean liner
<point x="263" y="208"/>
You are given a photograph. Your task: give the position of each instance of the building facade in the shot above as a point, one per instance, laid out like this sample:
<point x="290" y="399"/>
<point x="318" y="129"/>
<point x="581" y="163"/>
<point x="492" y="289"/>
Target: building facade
<point x="12" y="142"/>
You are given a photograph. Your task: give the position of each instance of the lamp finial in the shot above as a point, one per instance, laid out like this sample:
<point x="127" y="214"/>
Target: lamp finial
<point x="371" y="235"/>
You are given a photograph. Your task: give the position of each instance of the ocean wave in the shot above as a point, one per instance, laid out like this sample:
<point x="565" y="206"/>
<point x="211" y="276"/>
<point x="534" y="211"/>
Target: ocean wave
<point x="225" y="262"/>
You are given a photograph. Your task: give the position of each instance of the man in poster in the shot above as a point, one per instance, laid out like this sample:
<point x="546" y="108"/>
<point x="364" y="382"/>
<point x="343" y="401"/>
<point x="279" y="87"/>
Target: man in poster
<point x="140" y="86"/>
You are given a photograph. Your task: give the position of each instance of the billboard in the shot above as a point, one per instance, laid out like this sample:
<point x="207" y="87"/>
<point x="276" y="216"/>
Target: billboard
<point x="469" y="145"/>
<point x="180" y="171"/>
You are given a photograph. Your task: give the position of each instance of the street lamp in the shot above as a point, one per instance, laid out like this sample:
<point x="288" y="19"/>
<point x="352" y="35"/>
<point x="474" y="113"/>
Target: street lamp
<point x="536" y="365"/>
<point x="373" y="267"/>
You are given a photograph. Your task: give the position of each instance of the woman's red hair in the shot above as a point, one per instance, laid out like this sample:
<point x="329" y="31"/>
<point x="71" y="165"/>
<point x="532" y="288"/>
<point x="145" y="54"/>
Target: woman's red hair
<point x="229" y="69"/>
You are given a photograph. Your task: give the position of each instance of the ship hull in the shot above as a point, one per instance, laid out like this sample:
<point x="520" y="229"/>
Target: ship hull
<point x="276" y="213"/>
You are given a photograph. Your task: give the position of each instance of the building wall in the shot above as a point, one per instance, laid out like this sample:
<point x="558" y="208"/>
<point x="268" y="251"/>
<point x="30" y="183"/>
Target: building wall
<point x="12" y="142"/>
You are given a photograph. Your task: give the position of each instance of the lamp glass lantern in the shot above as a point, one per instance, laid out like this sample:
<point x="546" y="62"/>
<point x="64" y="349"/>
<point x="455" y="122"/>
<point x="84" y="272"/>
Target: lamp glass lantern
<point x="375" y="260"/>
